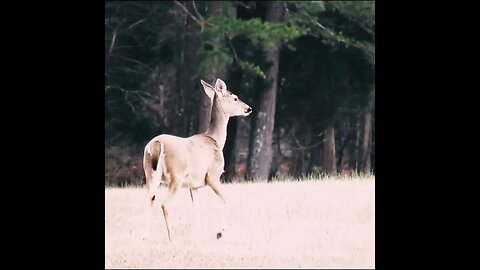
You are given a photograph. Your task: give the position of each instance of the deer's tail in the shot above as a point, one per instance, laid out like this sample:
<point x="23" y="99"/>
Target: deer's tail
<point x="154" y="166"/>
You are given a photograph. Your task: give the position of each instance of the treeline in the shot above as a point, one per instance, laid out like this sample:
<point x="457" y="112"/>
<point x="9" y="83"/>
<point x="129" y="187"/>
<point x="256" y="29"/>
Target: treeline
<point x="307" y="68"/>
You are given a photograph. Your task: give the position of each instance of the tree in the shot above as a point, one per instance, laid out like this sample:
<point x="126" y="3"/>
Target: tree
<point x="214" y="65"/>
<point x="329" y="151"/>
<point x="260" y="154"/>
<point x="367" y="134"/>
<point x="251" y="35"/>
<point x="188" y="68"/>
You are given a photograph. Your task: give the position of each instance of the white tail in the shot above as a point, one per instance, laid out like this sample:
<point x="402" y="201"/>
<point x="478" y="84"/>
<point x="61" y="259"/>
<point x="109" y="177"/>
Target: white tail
<point x="157" y="173"/>
<point x="196" y="161"/>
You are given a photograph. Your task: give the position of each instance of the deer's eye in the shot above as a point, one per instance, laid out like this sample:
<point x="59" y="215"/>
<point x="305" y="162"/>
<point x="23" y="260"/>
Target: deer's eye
<point x="236" y="99"/>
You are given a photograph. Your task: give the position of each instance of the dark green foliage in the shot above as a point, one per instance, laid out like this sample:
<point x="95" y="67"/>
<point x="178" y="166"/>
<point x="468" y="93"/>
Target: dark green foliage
<point x="261" y="35"/>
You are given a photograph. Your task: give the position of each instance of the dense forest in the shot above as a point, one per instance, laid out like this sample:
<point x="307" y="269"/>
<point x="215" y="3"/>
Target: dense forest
<point x="307" y="68"/>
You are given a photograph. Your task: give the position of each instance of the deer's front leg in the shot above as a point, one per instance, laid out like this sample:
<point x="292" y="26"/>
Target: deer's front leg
<point x="217" y="187"/>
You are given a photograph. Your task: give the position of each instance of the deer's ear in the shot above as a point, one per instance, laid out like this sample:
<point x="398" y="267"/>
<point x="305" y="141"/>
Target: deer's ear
<point x="221" y="86"/>
<point x="209" y="90"/>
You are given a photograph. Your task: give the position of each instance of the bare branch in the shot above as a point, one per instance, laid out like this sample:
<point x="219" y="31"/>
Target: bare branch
<point x="130" y="103"/>
<point x="196" y="11"/>
<point x="201" y="17"/>
<point x="303" y="147"/>
<point x="138" y="92"/>
<point x="316" y="22"/>
<point x="114" y="36"/>
<point x="135" y="24"/>
<point x="118" y="31"/>
<point x="132" y="60"/>
<point x="241" y="4"/>
<point x="233" y="49"/>
<point x="324" y="28"/>
<point x="146" y="94"/>
<point x="200" y="21"/>
<point x="188" y="12"/>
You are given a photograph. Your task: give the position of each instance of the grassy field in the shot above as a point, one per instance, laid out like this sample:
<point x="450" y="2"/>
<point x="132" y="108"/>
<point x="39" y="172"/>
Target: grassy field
<point x="318" y="224"/>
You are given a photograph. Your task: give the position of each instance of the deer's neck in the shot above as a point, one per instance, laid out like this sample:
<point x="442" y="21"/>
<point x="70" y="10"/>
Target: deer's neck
<point x="218" y="124"/>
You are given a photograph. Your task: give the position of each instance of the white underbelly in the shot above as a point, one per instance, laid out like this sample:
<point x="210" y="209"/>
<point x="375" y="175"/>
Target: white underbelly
<point x="192" y="182"/>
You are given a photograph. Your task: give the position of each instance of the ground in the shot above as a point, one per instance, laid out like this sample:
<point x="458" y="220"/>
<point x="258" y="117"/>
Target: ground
<point x="326" y="223"/>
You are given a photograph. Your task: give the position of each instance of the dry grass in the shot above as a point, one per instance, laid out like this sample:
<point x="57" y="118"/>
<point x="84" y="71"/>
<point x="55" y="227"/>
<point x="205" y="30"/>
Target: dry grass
<point x="317" y="224"/>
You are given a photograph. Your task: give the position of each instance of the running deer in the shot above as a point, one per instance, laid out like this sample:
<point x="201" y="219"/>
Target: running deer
<point x="196" y="161"/>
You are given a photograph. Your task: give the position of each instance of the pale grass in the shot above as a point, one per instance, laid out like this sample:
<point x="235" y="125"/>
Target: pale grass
<point x="310" y="224"/>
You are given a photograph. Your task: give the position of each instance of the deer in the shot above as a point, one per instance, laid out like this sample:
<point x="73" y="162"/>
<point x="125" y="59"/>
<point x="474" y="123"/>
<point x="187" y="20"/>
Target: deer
<point x="192" y="162"/>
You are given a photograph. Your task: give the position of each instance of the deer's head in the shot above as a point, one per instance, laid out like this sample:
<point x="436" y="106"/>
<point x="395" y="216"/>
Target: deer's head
<point x="226" y="100"/>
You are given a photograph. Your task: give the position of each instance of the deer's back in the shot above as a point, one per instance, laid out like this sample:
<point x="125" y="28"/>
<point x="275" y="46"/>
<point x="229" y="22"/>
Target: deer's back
<point x="190" y="158"/>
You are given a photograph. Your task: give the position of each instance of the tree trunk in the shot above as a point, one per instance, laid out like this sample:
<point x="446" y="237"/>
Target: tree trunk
<point x="236" y="168"/>
<point x="372" y="143"/>
<point x="217" y="69"/>
<point x="329" y="151"/>
<point x="367" y="125"/>
<point x="229" y="150"/>
<point x="343" y="160"/>
<point x="367" y="135"/>
<point x="357" y="146"/>
<point x="315" y="158"/>
<point x="260" y="154"/>
<point x="189" y="64"/>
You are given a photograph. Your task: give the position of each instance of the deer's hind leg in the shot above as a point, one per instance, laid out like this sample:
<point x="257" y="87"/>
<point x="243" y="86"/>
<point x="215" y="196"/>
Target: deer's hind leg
<point x="174" y="184"/>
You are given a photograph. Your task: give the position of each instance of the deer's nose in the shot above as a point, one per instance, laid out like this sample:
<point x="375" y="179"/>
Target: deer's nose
<point x="249" y="110"/>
